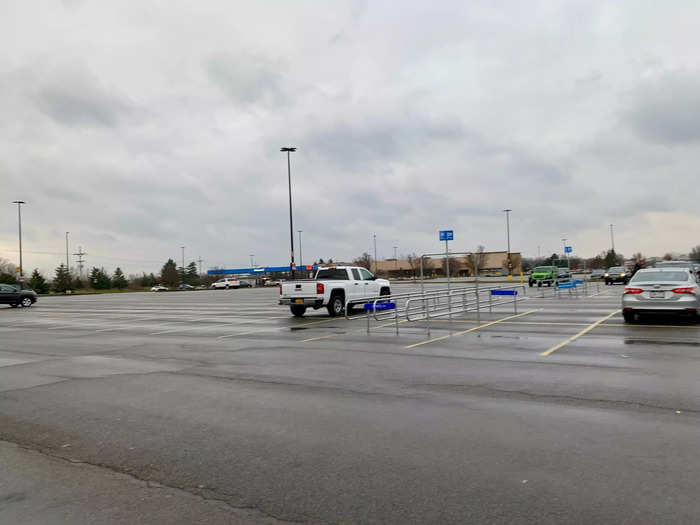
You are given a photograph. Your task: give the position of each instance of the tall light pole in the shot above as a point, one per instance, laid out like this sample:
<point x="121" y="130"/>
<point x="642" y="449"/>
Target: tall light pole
<point x="292" y="266"/>
<point x="19" y="220"/>
<point x="565" y="252"/>
<point x="183" y="264"/>
<point x="376" y="263"/>
<point x="67" y="260"/>
<point x="301" y="259"/>
<point x="612" y="238"/>
<point x="252" y="260"/>
<point x="510" y="265"/>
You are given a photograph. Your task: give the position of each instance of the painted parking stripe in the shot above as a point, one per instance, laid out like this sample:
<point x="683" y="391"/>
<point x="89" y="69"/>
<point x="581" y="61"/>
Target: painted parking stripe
<point x="581" y="333"/>
<point x="473" y="329"/>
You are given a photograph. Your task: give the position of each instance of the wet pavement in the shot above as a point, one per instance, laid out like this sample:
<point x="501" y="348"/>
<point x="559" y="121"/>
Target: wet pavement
<point x="557" y="413"/>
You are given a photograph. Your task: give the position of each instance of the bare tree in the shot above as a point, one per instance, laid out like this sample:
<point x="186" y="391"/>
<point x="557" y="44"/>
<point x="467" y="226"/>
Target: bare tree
<point x="363" y="260"/>
<point x="695" y="254"/>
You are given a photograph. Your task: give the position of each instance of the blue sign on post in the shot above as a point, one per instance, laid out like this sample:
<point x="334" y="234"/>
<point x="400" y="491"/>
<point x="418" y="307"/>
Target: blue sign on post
<point x="447" y="235"/>
<point x="568" y="249"/>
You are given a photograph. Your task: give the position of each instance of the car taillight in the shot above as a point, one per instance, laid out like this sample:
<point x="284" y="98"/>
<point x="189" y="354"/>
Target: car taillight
<point x="633" y="291"/>
<point x="690" y="289"/>
<point x="320" y="288"/>
<point x="280" y="289"/>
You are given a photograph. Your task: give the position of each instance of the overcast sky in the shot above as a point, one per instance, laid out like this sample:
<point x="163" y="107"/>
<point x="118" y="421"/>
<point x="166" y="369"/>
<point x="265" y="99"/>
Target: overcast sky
<point x="143" y="126"/>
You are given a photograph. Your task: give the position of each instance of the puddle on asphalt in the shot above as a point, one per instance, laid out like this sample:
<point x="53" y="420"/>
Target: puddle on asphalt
<point x="663" y="343"/>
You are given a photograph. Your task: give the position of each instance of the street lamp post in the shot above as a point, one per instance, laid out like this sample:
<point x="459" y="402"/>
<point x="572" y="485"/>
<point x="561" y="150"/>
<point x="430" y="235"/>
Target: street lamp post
<point x="67" y="260"/>
<point x="510" y="264"/>
<point x="301" y="258"/>
<point x="565" y="252"/>
<point x="376" y="263"/>
<point x="289" y="150"/>
<point x="19" y="220"/>
<point x="252" y="260"/>
<point x="612" y="237"/>
<point x="183" y="265"/>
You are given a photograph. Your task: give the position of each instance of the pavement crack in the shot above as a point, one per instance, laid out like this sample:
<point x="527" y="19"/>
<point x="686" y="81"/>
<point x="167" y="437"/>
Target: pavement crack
<point x="204" y="494"/>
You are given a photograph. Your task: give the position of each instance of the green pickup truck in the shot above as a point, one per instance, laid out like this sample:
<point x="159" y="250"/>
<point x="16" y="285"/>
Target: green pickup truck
<point x="544" y="275"/>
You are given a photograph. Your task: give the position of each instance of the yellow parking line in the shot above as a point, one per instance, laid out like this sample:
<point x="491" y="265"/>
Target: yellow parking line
<point x="472" y="329"/>
<point x="582" y="332"/>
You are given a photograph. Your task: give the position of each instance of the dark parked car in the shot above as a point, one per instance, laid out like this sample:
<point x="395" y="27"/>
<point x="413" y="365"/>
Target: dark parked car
<point x="15" y="296"/>
<point x="245" y="284"/>
<point x="617" y="274"/>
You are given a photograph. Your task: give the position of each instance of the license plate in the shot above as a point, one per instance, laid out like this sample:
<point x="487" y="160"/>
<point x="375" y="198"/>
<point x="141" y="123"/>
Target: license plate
<point x="657" y="295"/>
<point x="299" y="301"/>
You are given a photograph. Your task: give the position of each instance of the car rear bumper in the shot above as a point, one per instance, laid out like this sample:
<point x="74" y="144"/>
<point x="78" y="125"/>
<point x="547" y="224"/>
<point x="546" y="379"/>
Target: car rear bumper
<point x="680" y="304"/>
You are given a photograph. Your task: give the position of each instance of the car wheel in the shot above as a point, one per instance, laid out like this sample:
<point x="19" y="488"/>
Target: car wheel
<point x="298" y="309"/>
<point x="336" y="305"/>
<point x="26" y="302"/>
<point x="529" y="283"/>
<point x="629" y="317"/>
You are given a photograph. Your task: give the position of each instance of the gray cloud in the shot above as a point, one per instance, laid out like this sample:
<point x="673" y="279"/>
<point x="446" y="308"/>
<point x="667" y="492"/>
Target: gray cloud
<point x="666" y="110"/>
<point x="247" y="79"/>
<point x="74" y="97"/>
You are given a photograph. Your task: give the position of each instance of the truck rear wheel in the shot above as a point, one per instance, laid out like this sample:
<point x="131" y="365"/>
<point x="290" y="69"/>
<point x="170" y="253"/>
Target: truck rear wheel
<point x="298" y="309"/>
<point x="336" y="305"/>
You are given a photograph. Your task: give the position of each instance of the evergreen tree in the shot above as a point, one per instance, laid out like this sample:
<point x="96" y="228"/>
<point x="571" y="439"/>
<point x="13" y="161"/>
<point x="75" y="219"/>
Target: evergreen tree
<point x="38" y="283"/>
<point x="169" y="275"/>
<point x="191" y="274"/>
<point x="118" y="279"/>
<point x="62" y="280"/>
<point x="99" y="280"/>
<point x="78" y="284"/>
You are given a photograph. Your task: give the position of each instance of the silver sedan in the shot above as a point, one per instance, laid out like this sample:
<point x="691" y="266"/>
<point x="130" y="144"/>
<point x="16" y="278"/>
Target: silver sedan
<point x="661" y="290"/>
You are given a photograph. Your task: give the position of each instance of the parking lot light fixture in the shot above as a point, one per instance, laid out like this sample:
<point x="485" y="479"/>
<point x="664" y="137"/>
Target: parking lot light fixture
<point x="289" y="150"/>
<point x="19" y="219"/>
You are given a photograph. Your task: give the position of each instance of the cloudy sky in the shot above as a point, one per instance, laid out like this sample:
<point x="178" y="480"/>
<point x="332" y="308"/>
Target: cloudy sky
<point x="142" y="126"/>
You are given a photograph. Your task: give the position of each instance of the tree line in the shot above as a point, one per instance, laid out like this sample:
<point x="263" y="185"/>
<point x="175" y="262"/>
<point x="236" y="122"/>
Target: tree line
<point x="99" y="279"/>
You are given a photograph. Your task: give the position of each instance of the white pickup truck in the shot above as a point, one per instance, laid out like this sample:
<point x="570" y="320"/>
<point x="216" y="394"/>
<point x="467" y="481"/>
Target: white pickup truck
<point x="333" y="287"/>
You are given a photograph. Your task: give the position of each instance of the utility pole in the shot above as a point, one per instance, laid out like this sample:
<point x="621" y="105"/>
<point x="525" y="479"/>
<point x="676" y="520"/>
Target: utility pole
<point x="565" y="252"/>
<point x="612" y="238"/>
<point x="376" y="263"/>
<point x="301" y="260"/>
<point x="183" y="264"/>
<point x="80" y="260"/>
<point x="252" y="260"/>
<point x="396" y="259"/>
<point x="67" y="261"/>
<point x="19" y="219"/>
<point x="200" y="265"/>
<point x="510" y="265"/>
<point x="292" y="266"/>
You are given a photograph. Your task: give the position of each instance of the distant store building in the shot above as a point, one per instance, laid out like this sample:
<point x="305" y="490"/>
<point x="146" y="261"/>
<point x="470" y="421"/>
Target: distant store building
<point x="489" y="263"/>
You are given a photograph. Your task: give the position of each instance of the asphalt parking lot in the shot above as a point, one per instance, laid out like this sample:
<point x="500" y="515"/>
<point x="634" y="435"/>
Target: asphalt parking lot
<point x="223" y="404"/>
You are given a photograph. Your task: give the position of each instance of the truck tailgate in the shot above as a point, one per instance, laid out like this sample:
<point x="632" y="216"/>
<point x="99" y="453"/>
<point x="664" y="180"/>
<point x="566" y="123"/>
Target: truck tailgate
<point x="299" y="289"/>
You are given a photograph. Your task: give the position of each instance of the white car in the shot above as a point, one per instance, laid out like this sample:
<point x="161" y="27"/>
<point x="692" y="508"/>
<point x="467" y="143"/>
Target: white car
<point x="226" y="283"/>
<point x="159" y="288"/>
<point x="334" y="287"/>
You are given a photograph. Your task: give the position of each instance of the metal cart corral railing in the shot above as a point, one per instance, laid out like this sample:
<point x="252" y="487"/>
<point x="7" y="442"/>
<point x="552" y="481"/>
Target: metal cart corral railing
<point x="419" y="306"/>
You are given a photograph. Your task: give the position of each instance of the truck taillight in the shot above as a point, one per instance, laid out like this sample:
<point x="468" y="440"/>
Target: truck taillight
<point x="320" y="289"/>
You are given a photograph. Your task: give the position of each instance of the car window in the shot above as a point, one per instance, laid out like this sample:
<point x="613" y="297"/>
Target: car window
<point x="542" y="269"/>
<point x="617" y="269"/>
<point x="332" y="274"/>
<point x="366" y="275"/>
<point x="659" y="277"/>
<point x="5" y="288"/>
<point x="356" y="274"/>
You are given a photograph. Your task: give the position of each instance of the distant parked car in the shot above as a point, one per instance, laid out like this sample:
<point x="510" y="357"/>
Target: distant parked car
<point x="564" y="274"/>
<point x="245" y="284"/>
<point x="226" y="283"/>
<point x="186" y="286"/>
<point x="159" y="288"/>
<point x="15" y="296"/>
<point x="617" y="274"/>
<point x="597" y="274"/>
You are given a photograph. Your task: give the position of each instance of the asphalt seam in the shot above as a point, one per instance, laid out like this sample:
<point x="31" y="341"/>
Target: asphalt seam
<point x="149" y="483"/>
